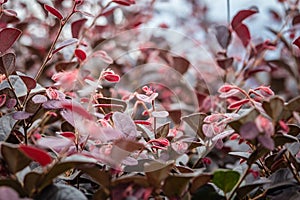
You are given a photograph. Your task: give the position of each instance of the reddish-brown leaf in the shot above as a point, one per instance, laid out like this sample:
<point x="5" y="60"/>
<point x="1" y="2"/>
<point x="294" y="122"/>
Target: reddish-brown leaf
<point x="225" y="63"/>
<point x="238" y="104"/>
<point x="243" y="33"/>
<point x="8" y="36"/>
<point x="80" y="54"/>
<point x="2" y="99"/>
<point x="36" y="154"/>
<point x="76" y="27"/>
<point x="53" y="11"/>
<point x="29" y="82"/>
<point x="296" y="20"/>
<point x="240" y="17"/>
<point x="297" y="42"/>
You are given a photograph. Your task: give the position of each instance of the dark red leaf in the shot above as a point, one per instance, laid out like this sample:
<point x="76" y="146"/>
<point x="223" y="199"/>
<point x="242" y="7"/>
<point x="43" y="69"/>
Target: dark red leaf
<point x="76" y="27"/>
<point x="142" y="122"/>
<point x="36" y="154"/>
<point x="297" y="42"/>
<point x="223" y="36"/>
<point x="21" y="115"/>
<point x="243" y="33"/>
<point x="8" y="36"/>
<point x="107" y="13"/>
<point x="124" y="2"/>
<point x="69" y="135"/>
<point x="7" y="64"/>
<point x="112" y="77"/>
<point x="296" y="20"/>
<point x="240" y="17"/>
<point x="2" y="99"/>
<point x="29" y="82"/>
<point x="65" y="44"/>
<point x="77" y="109"/>
<point x="53" y="11"/>
<point x="80" y="54"/>
<point x="238" y="104"/>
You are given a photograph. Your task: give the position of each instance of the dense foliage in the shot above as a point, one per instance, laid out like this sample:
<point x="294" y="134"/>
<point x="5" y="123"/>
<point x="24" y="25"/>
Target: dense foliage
<point x="97" y="105"/>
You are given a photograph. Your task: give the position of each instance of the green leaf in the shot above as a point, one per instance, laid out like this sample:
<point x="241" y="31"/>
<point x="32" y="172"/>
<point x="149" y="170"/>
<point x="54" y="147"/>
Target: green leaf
<point x="195" y="121"/>
<point x="225" y="180"/>
<point x="15" y="159"/>
<point x="274" y="107"/>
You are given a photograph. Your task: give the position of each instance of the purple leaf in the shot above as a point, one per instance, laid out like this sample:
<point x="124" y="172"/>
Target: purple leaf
<point x="10" y="103"/>
<point x="266" y="141"/>
<point x="249" y="131"/>
<point x="53" y="11"/>
<point x="20" y="115"/>
<point x="52" y="104"/>
<point x="9" y="193"/>
<point x="56" y="143"/>
<point x="7" y="63"/>
<point x="64" y="44"/>
<point x="8" y="36"/>
<point x="39" y="98"/>
<point x="125" y="124"/>
<point x="77" y="26"/>
<point x="223" y="36"/>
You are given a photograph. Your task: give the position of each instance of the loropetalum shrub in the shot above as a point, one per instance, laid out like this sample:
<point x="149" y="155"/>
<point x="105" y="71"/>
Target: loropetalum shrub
<point x="94" y="105"/>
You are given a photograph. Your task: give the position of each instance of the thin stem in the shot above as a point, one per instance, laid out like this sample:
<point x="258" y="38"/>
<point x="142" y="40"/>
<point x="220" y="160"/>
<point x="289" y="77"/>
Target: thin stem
<point x="292" y="167"/>
<point x="228" y="12"/>
<point x="239" y="182"/>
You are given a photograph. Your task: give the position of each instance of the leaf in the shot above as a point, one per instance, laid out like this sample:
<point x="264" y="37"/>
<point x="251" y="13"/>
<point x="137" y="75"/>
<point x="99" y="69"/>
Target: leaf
<point x="195" y="121"/>
<point x="60" y="192"/>
<point x="274" y="107"/>
<point x="296" y="20"/>
<point x="103" y="55"/>
<point x="240" y="17"/>
<point x="124" y="2"/>
<point x="69" y="135"/>
<point x="156" y="172"/>
<point x="160" y="114"/>
<point x="102" y="177"/>
<point x="19" y="161"/>
<point x="21" y="115"/>
<point x="200" y="181"/>
<point x="64" y="44"/>
<point x="225" y="180"/>
<point x="175" y="185"/>
<point x="14" y="184"/>
<point x="128" y="145"/>
<point x="122" y="105"/>
<point x="258" y="153"/>
<point x="240" y="155"/>
<point x="238" y="104"/>
<point x="282" y="139"/>
<point x="36" y="154"/>
<point x="76" y="108"/>
<point x="225" y="63"/>
<point x="53" y="11"/>
<point x="29" y="82"/>
<point x="8" y="36"/>
<point x="64" y="66"/>
<point x="2" y="99"/>
<point x="6" y="125"/>
<point x="248" y="117"/>
<point x="245" y="189"/>
<point x="39" y="98"/>
<point x="243" y="33"/>
<point x="7" y="63"/>
<point x="223" y="36"/>
<point x="125" y="124"/>
<point x="163" y="131"/>
<point x="180" y="64"/>
<point x="114" y="78"/>
<point x="80" y="54"/>
<point x="297" y="42"/>
<point x="31" y="182"/>
<point x="249" y="131"/>
<point x="76" y="26"/>
<point x="207" y="192"/>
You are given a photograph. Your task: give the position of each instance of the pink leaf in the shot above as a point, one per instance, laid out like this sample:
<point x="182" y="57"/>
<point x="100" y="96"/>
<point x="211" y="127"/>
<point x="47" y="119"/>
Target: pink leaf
<point x="226" y="88"/>
<point x="297" y="42"/>
<point x="77" y="109"/>
<point x="53" y="11"/>
<point x="10" y="13"/>
<point x="125" y="124"/>
<point x="36" y="154"/>
<point x="10" y="103"/>
<point x="2" y="99"/>
<point x="29" y="82"/>
<point x="21" y="115"/>
<point x="266" y="141"/>
<point x="240" y="17"/>
<point x="69" y="135"/>
<point x="243" y="33"/>
<point x="77" y="26"/>
<point x="124" y="2"/>
<point x="8" y="36"/>
<point x="238" y="104"/>
<point x="80" y="54"/>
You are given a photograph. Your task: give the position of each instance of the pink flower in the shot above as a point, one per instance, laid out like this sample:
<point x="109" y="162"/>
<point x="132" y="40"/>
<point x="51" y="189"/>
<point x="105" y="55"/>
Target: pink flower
<point x="66" y="79"/>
